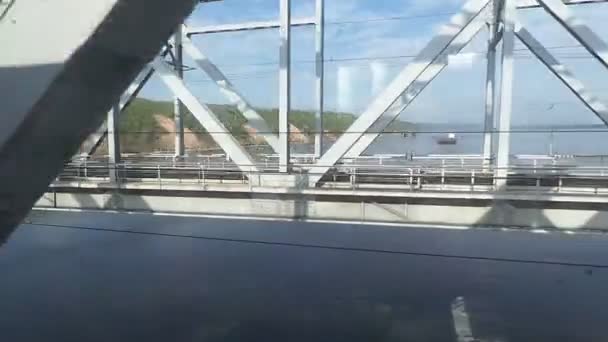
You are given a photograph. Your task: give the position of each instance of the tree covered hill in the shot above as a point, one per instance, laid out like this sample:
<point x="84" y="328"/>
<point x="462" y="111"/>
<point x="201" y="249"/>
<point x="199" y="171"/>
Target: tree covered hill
<point x="143" y="131"/>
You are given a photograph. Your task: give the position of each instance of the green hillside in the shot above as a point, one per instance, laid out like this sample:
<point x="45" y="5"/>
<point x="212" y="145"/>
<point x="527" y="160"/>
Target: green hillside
<point x="140" y="131"/>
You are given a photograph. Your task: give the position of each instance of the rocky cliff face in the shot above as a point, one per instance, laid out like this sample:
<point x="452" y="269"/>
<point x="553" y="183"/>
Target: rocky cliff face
<point x="295" y="135"/>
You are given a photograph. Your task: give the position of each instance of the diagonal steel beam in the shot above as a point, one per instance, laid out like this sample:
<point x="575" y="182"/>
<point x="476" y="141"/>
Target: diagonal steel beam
<point x="205" y="116"/>
<point x="249" y="26"/>
<point x="384" y="101"/>
<point x="235" y="98"/>
<point x="417" y="86"/>
<point x="94" y="140"/>
<point x="526" y="4"/>
<point x="578" y="29"/>
<point x="563" y="73"/>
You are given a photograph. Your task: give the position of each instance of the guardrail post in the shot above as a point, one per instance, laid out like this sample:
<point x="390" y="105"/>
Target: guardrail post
<point x="200" y="173"/>
<point x="419" y="180"/>
<point x="158" y="175"/>
<point x="411" y="179"/>
<point x="559" y="184"/>
<point x="86" y="174"/>
<point x="473" y="180"/>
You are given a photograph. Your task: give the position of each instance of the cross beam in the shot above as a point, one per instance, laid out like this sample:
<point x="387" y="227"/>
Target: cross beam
<point x="249" y="26"/>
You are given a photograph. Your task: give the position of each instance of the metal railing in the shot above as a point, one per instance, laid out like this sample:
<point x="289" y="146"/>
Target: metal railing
<point x="421" y="174"/>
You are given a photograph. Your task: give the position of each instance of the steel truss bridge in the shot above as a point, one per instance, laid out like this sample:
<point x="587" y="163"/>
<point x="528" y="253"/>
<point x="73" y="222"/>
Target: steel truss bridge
<point x="106" y="62"/>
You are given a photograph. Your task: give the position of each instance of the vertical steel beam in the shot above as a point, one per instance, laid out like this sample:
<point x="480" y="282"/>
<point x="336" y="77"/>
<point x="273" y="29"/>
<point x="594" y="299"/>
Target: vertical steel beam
<point x="506" y="92"/>
<point x="114" y="140"/>
<point x="205" y="116"/>
<point x="562" y="73"/>
<point x="320" y="74"/>
<point x="254" y="119"/>
<point x="178" y="60"/>
<point x="284" y="85"/>
<point x="490" y="85"/>
<point x="395" y="90"/>
<point x="94" y="140"/>
<point x="578" y="29"/>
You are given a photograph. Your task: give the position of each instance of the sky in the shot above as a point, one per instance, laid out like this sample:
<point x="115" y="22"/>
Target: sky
<point x="368" y="42"/>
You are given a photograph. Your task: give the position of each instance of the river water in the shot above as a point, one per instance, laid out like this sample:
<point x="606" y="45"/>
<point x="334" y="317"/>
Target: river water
<point x="522" y="142"/>
<point x="560" y="140"/>
<point x="62" y="281"/>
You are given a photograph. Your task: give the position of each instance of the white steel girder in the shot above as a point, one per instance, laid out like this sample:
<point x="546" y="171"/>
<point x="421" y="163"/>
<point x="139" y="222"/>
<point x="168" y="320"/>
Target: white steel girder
<point x="284" y="85"/>
<point x="509" y="12"/>
<point x="490" y="90"/>
<point x="319" y="75"/>
<point x="416" y="87"/>
<point x="526" y="4"/>
<point x="255" y="120"/>
<point x="178" y="66"/>
<point x="113" y="142"/>
<point x="384" y="101"/>
<point x="562" y="73"/>
<point x="578" y="29"/>
<point x="205" y="116"/>
<point x="249" y="26"/>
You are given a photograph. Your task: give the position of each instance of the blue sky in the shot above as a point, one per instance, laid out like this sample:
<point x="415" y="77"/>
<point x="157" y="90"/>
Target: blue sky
<point x="384" y="32"/>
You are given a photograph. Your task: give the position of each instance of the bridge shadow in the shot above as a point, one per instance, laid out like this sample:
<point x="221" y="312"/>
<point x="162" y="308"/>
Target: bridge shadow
<point x="509" y="213"/>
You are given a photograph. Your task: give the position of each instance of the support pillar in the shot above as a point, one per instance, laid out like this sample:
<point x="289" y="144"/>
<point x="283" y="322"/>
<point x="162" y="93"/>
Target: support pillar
<point x="320" y="74"/>
<point x="506" y="92"/>
<point x="490" y="88"/>
<point x="284" y="85"/>
<point x="114" y="142"/>
<point x="178" y="60"/>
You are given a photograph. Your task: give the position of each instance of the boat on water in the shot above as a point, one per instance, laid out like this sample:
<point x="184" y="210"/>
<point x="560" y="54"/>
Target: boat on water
<point x="449" y="139"/>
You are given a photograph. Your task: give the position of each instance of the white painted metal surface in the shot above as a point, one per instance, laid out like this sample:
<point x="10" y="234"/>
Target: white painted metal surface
<point x="562" y="73"/>
<point x="205" y="116"/>
<point x="416" y="87"/>
<point x="526" y="4"/>
<point x="506" y="92"/>
<point x="578" y="29"/>
<point x="249" y="26"/>
<point x="114" y="139"/>
<point x="254" y="119"/>
<point x="178" y="120"/>
<point x="284" y="85"/>
<point x="383" y="102"/>
<point x="320" y="75"/>
<point x="490" y="103"/>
